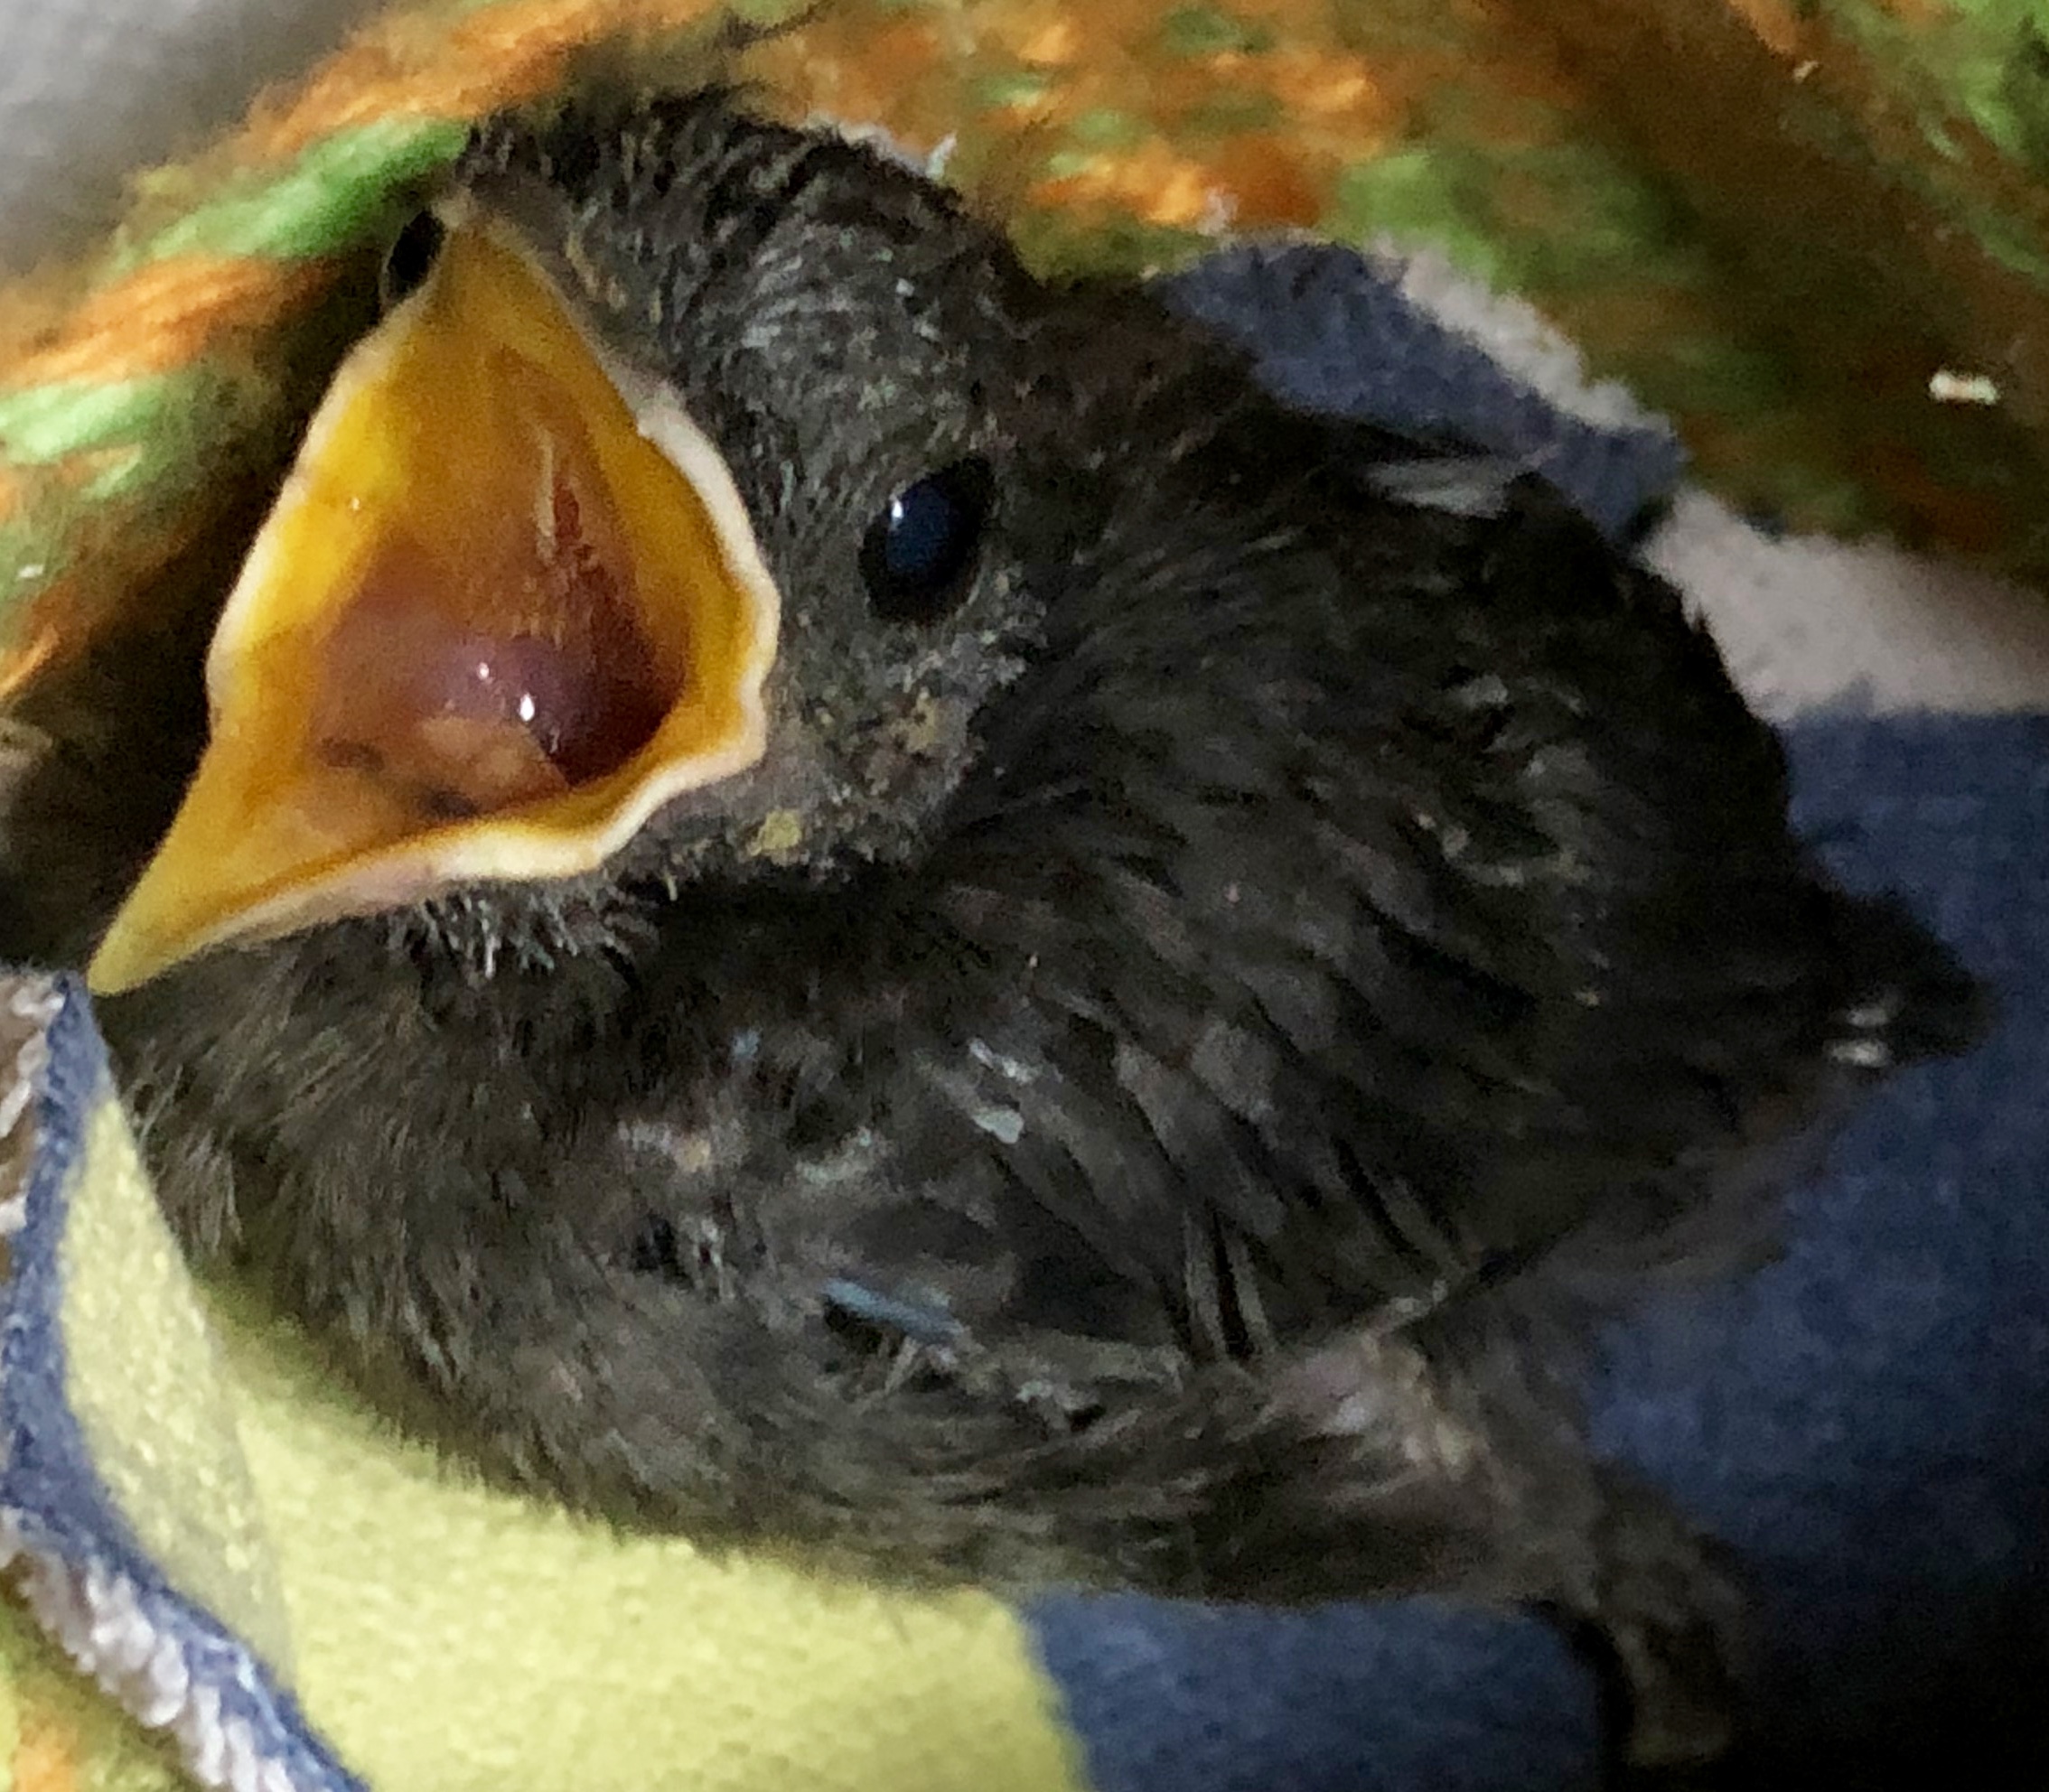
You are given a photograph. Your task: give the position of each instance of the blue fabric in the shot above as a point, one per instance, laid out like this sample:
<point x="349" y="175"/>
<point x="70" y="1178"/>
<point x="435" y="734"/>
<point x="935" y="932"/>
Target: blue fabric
<point x="1866" y="1420"/>
<point x="1183" y="1698"/>
<point x="54" y="1501"/>
<point x="1330" y="334"/>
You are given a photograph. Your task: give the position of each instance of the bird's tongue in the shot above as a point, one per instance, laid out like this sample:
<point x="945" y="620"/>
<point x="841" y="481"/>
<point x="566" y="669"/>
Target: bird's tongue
<point x="491" y="625"/>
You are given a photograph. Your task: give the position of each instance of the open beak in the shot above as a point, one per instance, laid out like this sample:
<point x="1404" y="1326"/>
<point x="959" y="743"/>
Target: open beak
<point x="508" y="603"/>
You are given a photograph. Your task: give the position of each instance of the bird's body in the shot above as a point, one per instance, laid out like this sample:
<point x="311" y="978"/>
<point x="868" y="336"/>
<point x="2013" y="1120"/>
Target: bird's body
<point x="1142" y="1080"/>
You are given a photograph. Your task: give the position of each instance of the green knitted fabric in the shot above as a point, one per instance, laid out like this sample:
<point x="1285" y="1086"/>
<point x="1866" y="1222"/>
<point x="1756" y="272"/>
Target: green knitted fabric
<point x="1780" y="220"/>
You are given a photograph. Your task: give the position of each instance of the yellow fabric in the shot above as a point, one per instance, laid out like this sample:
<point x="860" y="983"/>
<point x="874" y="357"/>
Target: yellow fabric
<point x="145" y="1387"/>
<point x="446" y="1636"/>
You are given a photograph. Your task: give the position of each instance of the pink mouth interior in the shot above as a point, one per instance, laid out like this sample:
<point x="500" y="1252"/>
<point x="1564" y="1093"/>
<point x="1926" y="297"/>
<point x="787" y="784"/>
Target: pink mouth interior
<point x="459" y="720"/>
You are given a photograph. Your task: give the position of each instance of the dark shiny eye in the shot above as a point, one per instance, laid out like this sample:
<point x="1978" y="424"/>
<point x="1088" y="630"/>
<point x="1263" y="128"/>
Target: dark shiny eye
<point x="918" y="555"/>
<point x="410" y="259"/>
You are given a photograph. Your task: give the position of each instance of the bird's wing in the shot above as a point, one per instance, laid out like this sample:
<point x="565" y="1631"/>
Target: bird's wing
<point x="1353" y="914"/>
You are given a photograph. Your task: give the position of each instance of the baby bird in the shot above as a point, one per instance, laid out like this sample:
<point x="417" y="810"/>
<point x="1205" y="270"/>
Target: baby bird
<point x="838" y="897"/>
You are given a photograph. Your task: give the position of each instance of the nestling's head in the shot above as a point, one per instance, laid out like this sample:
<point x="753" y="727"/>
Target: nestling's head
<point x="702" y="483"/>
